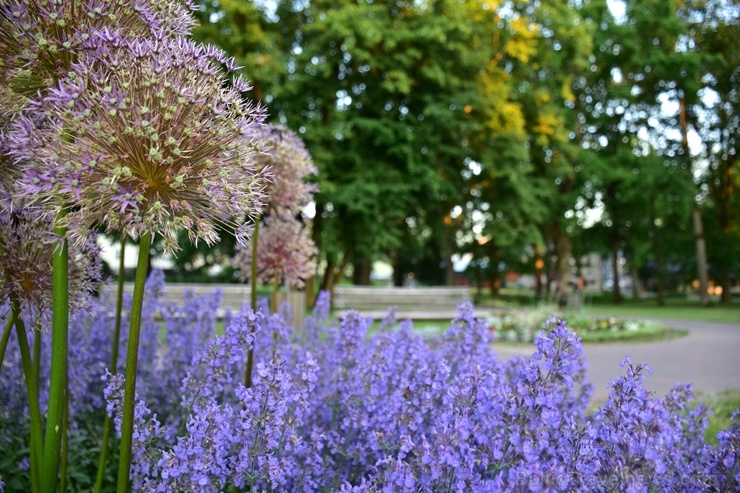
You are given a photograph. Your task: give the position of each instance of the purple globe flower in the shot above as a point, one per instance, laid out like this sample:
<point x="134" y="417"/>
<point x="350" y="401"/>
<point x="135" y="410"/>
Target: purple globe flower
<point x="290" y="163"/>
<point x="26" y="247"/>
<point x="147" y="137"/>
<point x="41" y="39"/>
<point x="284" y="251"/>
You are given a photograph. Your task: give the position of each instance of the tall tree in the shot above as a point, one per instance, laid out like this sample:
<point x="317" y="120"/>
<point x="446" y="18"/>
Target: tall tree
<point x="714" y="31"/>
<point x="548" y="93"/>
<point x="378" y="91"/>
<point x="667" y="68"/>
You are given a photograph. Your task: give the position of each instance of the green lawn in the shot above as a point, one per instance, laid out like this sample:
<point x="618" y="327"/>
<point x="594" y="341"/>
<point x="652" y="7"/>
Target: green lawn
<point x="677" y="306"/>
<point x="676" y="309"/>
<point x="723" y="406"/>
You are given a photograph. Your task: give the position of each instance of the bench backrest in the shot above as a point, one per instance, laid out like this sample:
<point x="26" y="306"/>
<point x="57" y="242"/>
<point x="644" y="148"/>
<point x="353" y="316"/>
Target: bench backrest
<point x="361" y="298"/>
<point x="233" y="297"/>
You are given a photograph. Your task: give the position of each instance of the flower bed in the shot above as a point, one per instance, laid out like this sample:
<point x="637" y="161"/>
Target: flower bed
<point x="525" y="326"/>
<point x="333" y="409"/>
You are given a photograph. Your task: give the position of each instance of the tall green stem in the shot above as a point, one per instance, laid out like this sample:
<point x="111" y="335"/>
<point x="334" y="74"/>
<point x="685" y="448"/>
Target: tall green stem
<point x="6" y="335"/>
<point x="253" y="301"/>
<point x="275" y="289"/>
<point x="253" y="278"/>
<point x="132" y="354"/>
<point x="59" y="350"/>
<point x="65" y="446"/>
<point x="37" y="357"/>
<point x="113" y="365"/>
<point x="33" y="399"/>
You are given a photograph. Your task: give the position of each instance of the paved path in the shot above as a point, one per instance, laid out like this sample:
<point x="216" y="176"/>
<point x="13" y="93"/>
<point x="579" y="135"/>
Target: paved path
<point x="708" y="357"/>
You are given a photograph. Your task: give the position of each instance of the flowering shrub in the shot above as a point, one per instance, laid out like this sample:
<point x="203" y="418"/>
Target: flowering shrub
<point x="332" y="408"/>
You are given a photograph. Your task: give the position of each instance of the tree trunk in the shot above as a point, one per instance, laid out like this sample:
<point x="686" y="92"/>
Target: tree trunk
<point x="726" y="288"/>
<point x="328" y="281"/>
<point x="339" y="276"/>
<point x="310" y="295"/>
<point x="539" y="267"/>
<point x="332" y="273"/>
<point x="701" y="257"/>
<point x="616" y="293"/>
<point x="398" y="273"/>
<point x="494" y="277"/>
<point x="634" y="276"/>
<point x="658" y="254"/>
<point x="563" y="249"/>
<point x="361" y="272"/>
<point x="494" y="281"/>
<point x="660" y="265"/>
<point x="449" y="271"/>
<point x="478" y="282"/>
<point x="701" y="247"/>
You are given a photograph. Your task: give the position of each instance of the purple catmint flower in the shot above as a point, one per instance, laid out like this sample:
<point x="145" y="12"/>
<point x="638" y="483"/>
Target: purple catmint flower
<point x="285" y="252"/>
<point x="159" y="144"/>
<point x="147" y="428"/>
<point x="381" y="411"/>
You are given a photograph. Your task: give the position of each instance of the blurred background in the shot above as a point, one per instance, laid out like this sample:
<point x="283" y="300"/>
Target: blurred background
<point x="530" y="149"/>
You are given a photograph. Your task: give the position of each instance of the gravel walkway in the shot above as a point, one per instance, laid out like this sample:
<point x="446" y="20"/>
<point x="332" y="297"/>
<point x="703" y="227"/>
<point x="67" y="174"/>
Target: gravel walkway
<point x="708" y="357"/>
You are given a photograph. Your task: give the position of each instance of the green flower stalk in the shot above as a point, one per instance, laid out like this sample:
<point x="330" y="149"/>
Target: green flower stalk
<point x="9" y="324"/>
<point x="127" y="424"/>
<point x="113" y="366"/>
<point x="33" y="398"/>
<point x="59" y="350"/>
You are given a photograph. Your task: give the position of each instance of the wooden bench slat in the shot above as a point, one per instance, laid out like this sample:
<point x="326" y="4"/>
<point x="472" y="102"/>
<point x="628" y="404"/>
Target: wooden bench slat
<point x="430" y="303"/>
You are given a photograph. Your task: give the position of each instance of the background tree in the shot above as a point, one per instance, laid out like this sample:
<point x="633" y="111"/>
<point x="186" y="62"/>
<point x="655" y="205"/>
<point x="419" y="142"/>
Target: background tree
<point x="497" y="128"/>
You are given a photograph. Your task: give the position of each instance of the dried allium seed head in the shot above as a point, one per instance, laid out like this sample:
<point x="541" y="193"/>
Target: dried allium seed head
<point x="290" y="163"/>
<point x="26" y="248"/>
<point x="284" y="250"/>
<point x="149" y="137"/>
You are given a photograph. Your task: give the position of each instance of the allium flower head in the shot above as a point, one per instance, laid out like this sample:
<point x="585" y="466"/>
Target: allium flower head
<point x="26" y="248"/>
<point x="40" y="39"/>
<point x="11" y="104"/>
<point x="148" y="138"/>
<point x="290" y="163"/>
<point x="284" y="251"/>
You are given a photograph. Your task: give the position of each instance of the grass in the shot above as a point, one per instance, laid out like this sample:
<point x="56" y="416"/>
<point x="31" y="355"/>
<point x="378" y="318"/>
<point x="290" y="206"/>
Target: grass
<point x="676" y="307"/>
<point x="723" y="405"/>
<point x="673" y="309"/>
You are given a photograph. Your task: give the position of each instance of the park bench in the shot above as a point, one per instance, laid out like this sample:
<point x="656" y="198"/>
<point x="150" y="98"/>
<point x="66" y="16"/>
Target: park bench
<point x="416" y="303"/>
<point x="233" y="297"/>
